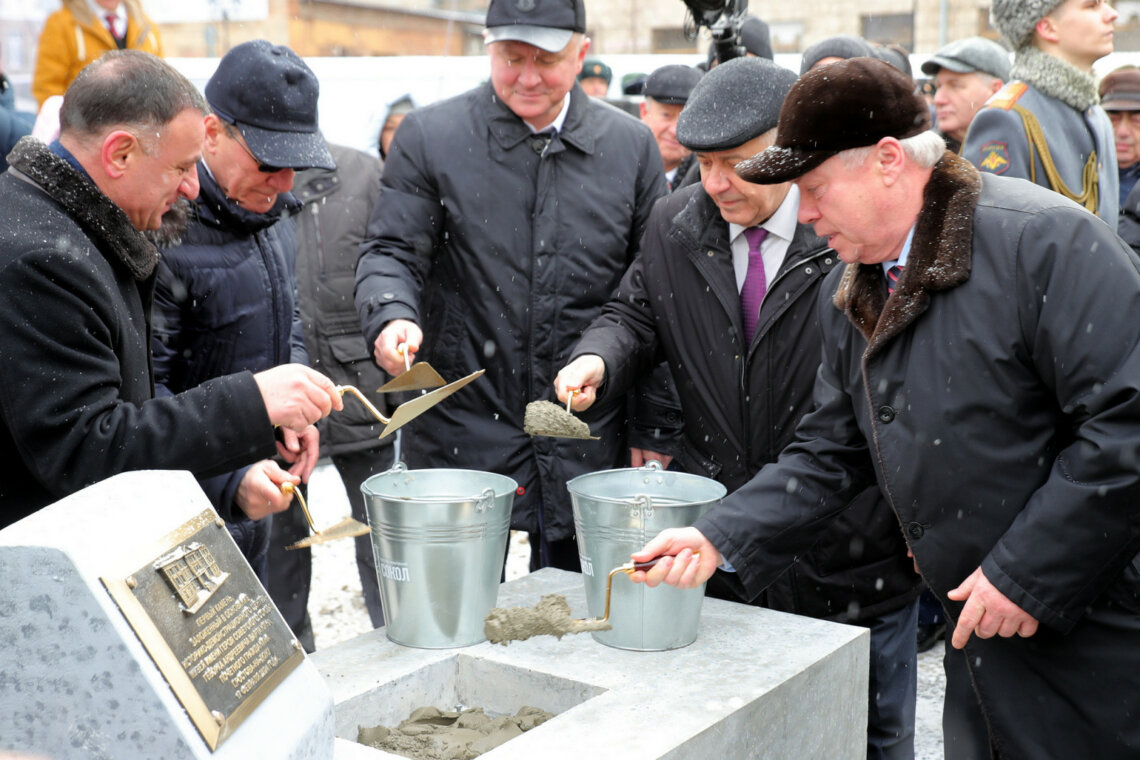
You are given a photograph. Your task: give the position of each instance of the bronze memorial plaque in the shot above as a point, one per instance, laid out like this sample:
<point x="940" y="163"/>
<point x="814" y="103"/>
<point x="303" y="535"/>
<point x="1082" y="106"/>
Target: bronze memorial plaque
<point x="207" y="623"/>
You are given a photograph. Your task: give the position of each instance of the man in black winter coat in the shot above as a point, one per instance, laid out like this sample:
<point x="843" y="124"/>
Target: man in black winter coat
<point x="225" y="300"/>
<point x="76" y="389"/>
<point x="506" y="217"/>
<point x="742" y="394"/>
<point x="981" y="363"/>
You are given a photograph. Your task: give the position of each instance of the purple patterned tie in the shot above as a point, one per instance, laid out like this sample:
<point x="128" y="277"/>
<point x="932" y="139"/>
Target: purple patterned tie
<point x="755" y="283"/>
<point x="893" y="278"/>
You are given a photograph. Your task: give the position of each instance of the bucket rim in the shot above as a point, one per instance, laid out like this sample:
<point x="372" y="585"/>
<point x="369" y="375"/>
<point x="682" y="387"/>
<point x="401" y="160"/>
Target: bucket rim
<point x="400" y="470"/>
<point x="716" y="485"/>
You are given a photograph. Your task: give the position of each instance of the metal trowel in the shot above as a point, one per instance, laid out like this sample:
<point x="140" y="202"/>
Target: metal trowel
<point x="346" y="528"/>
<point x="409" y="410"/>
<point x="551" y="616"/>
<point x="415" y="377"/>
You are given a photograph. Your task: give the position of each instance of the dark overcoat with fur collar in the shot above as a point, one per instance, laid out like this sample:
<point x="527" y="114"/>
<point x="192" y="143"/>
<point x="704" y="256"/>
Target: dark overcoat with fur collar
<point x="995" y="399"/>
<point x="76" y="385"/>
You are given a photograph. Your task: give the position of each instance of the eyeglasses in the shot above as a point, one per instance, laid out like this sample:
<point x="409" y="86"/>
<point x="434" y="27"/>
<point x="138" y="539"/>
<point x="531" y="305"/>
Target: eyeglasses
<point x="263" y="168"/>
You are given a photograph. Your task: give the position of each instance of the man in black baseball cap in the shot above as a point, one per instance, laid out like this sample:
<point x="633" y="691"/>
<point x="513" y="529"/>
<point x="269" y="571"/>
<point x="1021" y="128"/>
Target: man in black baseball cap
<point x="727" y="287"/>
<point x="224" y="301"/>
<point x="507" y="215"/>
<point x="666" y="92"/>
<point x="963" y="374"/>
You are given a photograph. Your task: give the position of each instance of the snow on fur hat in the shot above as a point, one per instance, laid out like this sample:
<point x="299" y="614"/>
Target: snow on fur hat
<point x="1016" y="19"/>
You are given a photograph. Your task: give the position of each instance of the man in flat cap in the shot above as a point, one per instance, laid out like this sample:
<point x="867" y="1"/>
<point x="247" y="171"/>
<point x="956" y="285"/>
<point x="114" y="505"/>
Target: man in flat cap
<point x="1045" y="124"/>
<point x="966" y="73"/>
<point x="595" y="77"/>
<point x="666" y="92"/>
<point x="1120" y="98"/>
<point x="725" y="288"/>
<point x="981" y="365"/>
<point x="506" y="218"/>
<point x="225" y="300"/>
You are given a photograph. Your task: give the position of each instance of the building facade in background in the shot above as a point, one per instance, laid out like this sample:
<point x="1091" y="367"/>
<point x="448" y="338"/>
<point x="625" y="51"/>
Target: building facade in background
<point x="208" y="28"/>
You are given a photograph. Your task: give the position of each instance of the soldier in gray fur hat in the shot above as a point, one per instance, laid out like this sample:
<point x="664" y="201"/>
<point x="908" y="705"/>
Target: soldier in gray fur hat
<point x="1045" y="124"/>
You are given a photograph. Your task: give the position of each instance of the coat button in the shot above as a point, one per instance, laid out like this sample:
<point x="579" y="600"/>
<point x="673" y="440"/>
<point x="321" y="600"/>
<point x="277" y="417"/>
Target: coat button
<point x="915" y="530"/>
<point x="886" y="414"/>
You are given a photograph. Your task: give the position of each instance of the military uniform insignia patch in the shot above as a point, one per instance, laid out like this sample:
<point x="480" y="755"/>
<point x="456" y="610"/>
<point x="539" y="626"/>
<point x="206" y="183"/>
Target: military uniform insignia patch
<point x="995" y="158"/>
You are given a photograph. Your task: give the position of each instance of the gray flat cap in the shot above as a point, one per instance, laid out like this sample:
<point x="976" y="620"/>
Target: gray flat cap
<point x="970" y="54"/>
<point x="734" y="103"/>
<point x="672" y="84"/>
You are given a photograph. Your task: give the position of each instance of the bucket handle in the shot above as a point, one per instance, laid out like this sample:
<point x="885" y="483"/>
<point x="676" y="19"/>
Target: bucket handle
<point x="398" y="467"/>
<point x="485" y="500"/>
<point x="653" y="465"/>
<point x="642" y="507"/>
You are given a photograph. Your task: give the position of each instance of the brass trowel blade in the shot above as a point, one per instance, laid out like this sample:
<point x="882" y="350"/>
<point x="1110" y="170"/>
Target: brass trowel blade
<point x="346" y="528"/>
<point x="409" y="410"/>
<point x="418" y="378"/>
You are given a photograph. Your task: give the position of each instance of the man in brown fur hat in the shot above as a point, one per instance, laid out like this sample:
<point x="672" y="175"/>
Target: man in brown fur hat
<point x="977" y="367"/>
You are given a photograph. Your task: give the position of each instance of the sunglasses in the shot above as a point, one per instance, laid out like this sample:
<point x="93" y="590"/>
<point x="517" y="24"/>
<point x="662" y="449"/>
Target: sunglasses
<point x="261" y="167"/>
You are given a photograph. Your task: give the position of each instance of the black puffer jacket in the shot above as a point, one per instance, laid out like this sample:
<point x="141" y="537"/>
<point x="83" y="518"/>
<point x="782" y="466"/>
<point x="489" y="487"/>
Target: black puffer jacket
<point x="503" y="256"/>
<point x="741" y="404"/>
<point x="225" y="301"/>
<point x="76" y="389"/>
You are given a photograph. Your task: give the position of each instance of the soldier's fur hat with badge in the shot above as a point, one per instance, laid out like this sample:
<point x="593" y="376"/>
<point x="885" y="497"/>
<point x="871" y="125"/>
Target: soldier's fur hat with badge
<point x="833" y="108"/>
<point x="1016" y="19"/>
<point x="757" y="84"/>
<point x="546" y="24"/>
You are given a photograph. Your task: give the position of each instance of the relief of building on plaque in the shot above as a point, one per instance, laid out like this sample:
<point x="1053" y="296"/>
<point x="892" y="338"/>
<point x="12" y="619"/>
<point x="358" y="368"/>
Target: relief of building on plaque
<point x="193" y="574"/>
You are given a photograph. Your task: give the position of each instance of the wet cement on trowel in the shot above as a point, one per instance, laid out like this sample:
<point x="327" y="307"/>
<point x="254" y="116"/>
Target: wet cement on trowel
<point x="549" y="419"/>
<point x="550" y="617"/>
<point x="434" y="734"/>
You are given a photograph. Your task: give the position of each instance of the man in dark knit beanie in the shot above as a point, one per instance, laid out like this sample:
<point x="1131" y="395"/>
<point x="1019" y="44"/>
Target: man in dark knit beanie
<point x="1045" y="125"/>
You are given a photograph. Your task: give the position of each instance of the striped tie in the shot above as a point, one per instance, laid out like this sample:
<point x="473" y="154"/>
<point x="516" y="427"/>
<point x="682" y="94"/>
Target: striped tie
<point x="893" y="275"/>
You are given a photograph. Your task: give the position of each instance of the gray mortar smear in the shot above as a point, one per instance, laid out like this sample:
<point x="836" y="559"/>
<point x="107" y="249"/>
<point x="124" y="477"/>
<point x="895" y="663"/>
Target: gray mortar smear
<point x="549" y="419"/>
<point x="550" y="617"/>
<point x="434" y="734"/>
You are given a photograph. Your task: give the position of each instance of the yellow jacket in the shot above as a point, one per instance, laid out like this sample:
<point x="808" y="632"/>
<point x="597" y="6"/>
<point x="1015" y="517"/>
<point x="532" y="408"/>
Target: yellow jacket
<point x="73" y="37"/>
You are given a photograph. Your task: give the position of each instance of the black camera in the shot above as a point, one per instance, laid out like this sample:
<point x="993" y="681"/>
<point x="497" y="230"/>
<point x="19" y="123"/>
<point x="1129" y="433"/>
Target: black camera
<point x="723" y="19"/>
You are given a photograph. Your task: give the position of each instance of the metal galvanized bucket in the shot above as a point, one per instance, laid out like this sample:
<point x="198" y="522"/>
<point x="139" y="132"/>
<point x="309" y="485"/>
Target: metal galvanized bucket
<point x="440" y="537"/>
<point x="615" y="513"/>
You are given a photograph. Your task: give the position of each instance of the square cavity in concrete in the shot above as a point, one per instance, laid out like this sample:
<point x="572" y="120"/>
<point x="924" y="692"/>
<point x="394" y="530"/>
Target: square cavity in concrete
<point x="456" y="683"/>
<point x="461" y="682"/>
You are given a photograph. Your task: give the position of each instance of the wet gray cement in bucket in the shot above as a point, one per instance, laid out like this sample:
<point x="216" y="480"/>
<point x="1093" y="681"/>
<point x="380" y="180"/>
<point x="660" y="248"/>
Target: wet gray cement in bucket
<point x="550" y="419"/>
<point x="550" y="617"/>
<point x="434" y="734"/>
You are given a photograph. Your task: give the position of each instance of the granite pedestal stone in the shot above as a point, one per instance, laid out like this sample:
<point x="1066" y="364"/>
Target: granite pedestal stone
<point x="754" y="684"/>
<point x="75" y="679"/>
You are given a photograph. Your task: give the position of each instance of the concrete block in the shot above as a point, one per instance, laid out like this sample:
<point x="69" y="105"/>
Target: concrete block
<point x="75" y="680"/>
<point x="754" y="684"/>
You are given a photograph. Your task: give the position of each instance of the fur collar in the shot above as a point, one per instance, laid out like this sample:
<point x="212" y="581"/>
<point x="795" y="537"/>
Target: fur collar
<point x="1055" y="78"/>
<point x="101" y="220"/>
<point x="939" y="258"/>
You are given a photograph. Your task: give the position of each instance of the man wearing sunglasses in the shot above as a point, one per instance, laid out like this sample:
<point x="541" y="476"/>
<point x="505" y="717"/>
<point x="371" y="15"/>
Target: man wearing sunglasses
<point x="225" y="299"/>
